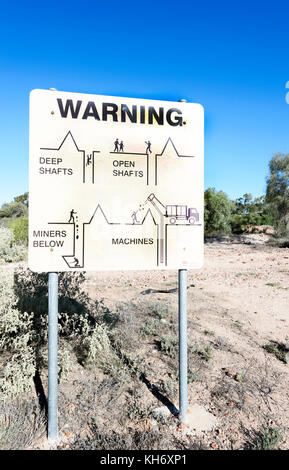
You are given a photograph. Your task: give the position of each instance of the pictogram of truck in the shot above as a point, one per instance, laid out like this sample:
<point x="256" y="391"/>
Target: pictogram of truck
<point x="174" y="212"/>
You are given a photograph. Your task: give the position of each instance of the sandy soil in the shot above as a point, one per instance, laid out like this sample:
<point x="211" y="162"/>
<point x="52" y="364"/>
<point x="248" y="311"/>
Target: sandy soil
<point x="237" y="303"/>
<point x="249" y="278"/>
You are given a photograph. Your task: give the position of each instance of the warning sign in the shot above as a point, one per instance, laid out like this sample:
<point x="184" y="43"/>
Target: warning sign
<point x="114" y="183"/>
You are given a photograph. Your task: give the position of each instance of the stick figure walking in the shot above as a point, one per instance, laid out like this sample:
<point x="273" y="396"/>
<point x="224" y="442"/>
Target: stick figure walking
<point x="72" y="212"/>
<point x="116" y="144"/>
<point x="148" y="149"/>
<point x="134" y="218"/>
<point x="121" y="146"/>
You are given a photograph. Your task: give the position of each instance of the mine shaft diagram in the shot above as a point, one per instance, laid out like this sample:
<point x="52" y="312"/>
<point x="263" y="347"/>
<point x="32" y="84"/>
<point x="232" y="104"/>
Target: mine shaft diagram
<point x="152" y="211"/>
<point x="114" y="183"/>
<point x="86" y="166"/>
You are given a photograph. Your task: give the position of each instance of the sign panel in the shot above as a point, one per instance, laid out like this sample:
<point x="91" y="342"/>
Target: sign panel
<point x="114" y="183"/>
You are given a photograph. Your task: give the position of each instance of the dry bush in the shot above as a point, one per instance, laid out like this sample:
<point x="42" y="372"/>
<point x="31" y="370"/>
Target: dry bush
<point x="23" y="325"/>
<point x="15" y="343"/>
<point x="153" y="439"/>
<point x="9" y="250"/>
<point x="21" y="424"/>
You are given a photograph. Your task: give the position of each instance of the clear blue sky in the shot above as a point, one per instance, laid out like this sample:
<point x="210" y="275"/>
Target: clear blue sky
<point x="232" y="57"/>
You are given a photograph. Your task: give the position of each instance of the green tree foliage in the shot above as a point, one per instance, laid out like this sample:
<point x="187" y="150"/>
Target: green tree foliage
<point x="17" y="208"/>
<point x="218" y="210"/>
<point x="24" y="198"/>
<point x="277" y="193"/>
<point x="13" y="210"/>
<point x="248" y="211"/>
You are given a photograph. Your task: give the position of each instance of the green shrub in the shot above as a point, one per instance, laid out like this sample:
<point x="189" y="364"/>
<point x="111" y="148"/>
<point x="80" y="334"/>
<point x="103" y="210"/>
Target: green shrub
<point x="206" y="354"/>
<point x="278" y="349"/>
<point x="19" y="372"/>
<point x="23" y="326"/>
<point x="270" y="438"/>
<point x="13" y="210"/>
<point x="64" y="363"/>
<point x="169" y="346"/>
<point x="218" y="210"/>
<point x="97" y="346"/>
<point x="6" y="240"/>
<point x="150" y="327"/>
<point x="19" y="228"/>
<point x="15" y="338"/>
<point x="9" y="251"/>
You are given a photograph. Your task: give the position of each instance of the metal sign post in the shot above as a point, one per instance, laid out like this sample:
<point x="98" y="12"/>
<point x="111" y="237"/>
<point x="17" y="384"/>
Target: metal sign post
<point x="183" y="349"/>
<point x="52" y="355"/>
<point x="128" y="193"/>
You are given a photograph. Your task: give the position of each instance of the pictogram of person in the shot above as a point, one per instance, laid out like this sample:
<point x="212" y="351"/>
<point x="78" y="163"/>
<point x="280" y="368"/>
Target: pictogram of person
<point x="88" y="159"/>
<point x="116" y="144"/>
<point x="134" y="218"/>
<point x="72" y="212"/>
<point x="148" y="149"/>
<point x="121" y="146"/>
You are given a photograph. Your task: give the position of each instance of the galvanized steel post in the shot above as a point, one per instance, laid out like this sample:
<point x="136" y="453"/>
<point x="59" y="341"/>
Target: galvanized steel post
<point x="183" y="342"/>
<point x="52" y="356"/>
<point x="183" y="347"/>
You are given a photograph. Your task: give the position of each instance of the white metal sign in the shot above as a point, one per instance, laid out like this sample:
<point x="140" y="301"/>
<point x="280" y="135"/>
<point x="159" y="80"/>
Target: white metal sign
<point x="115" y="183"/>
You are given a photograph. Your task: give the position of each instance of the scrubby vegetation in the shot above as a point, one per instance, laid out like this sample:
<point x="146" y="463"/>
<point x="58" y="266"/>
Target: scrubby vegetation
<point x="277" y="193"/>
<point x="224" y="216"/>
<point x="268" y="439"/>
<point x="9" y="250"/>
<point x="14" y="230"/>
<point x="21" y="422"/>
<point x="110" y="344"/>
<point x="118" y="368"/>
<point x="23" y="327"/>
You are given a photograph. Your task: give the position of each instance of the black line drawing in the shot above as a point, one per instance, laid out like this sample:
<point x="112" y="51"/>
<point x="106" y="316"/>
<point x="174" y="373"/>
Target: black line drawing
<point x="121" y="151"/>
<point x="172" y="214"/>
<point x="88" y="159"/>
<point x="148" y="149"/>
<point x="76" y="259"/>
<point x="161" y="154"/>
<point x="167" y="215"/>
<point x="134" y="217"/>
<point x="85" y="161"/>
<point x="71" y="219"/>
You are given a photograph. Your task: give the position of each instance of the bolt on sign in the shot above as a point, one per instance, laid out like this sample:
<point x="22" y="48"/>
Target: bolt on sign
<point x="115" y="183"/>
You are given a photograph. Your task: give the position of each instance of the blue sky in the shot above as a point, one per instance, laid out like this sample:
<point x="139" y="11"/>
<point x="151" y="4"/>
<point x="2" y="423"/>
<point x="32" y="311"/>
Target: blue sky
<point x="232" y="57"/>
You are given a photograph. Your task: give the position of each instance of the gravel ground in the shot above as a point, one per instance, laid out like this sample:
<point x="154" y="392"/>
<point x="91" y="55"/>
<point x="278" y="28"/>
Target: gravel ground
<point x="237" y="304"/>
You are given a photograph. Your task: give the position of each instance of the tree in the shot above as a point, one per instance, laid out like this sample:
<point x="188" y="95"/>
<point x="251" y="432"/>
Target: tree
<point x="24" y="198"/>
<point x="218" y="210"/>
<point x="13" y="210"/>
<point x="249" y="211"/>
<point x="277" y="193"/>
<point x="17" y="208"/>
